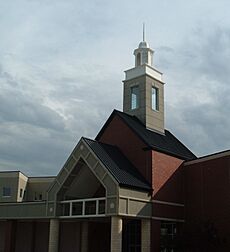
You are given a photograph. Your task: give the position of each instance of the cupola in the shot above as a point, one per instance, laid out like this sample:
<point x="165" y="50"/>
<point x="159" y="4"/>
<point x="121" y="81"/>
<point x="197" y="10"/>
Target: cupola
<point x="143" y="54"/>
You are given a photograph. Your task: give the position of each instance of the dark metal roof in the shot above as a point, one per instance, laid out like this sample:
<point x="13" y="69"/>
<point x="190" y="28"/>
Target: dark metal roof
<point x="166" y="143"/>
<point x="118" y="165"/>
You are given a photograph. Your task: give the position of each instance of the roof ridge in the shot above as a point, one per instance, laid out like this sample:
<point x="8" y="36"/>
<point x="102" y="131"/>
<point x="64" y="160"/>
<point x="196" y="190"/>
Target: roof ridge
<point x="132" y="117"/>
<point x="182" y="143"/>
<point x="96" y="141"/>
<point x="213" y="154"/>
<point x="167" y="143"/>
<point x="42" y="177"/>
<point x="109" y="153"/>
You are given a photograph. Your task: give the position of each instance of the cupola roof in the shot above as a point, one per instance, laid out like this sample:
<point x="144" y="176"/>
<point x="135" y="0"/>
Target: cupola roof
<point x="143" y="44"/>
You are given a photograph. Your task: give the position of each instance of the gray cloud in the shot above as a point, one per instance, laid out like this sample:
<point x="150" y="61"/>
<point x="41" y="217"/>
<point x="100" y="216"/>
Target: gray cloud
<point x="198" y="106"/>
<point x="41" y="123"/>
<point x="62" y="62"/>
<point x="17" y="106"/>
<point x="33" y="136"/>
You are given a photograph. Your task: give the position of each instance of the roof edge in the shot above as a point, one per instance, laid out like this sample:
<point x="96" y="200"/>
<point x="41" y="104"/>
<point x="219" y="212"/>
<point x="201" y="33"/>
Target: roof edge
<point x="105" y="125"/>
<point x="208" y="157"/>
<point x="120" y="184"/>
<point x="186" y="159"/>
<point x="116" y="112"/>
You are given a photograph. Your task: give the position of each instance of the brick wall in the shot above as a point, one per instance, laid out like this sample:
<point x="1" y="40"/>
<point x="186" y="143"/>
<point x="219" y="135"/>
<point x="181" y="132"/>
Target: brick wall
<point x="16" y="235"/>
<point x="99" y="236"/>
<point x="70" y="236"/>
<point x="167" y="177"/>
<point x="208" y="201"/>
<point x="2" y="235"/>
<point x="155" y="235"/>
<point x="119" y="134"/>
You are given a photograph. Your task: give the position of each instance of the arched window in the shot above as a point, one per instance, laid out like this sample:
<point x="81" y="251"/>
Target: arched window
<point x="138" y="59"/>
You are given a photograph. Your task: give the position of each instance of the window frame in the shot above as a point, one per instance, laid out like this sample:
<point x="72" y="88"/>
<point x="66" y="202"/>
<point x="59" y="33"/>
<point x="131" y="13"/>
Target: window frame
<point x="131" y="235"/>
<point x="155" y="105"/>
<point x="21" y="193"/>
<point x="169" y="230"/>
<point x="138" y="59"/>
<point x="137" y="95"/>
<point x="6" y="192"/>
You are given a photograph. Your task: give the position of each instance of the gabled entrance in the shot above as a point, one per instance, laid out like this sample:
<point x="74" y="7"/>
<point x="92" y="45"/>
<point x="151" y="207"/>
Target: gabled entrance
<point x="94" y="194"/>
<point x="83" y="186"/>
<point x="84" y="197"/>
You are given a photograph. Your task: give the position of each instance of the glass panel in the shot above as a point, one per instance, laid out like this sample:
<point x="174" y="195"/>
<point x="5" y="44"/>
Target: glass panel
<point x="155" y="104"/>
<point x="77" y="208"/>
<point x="138" y="59"/>
<point x="168" y="235"/>
<point x="65" y="209"/>
<point x="101" y="207"/>
<point x="90" y="207"/>
<point x="131" y="240"/>
<point x="134" y="97"/>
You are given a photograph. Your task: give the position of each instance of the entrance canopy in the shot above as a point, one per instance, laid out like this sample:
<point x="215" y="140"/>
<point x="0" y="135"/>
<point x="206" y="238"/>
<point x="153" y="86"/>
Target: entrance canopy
<point x="99" y="176"/>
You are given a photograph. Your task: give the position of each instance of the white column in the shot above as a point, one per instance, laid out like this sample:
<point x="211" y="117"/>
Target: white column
<point x="116" y="234"/>
<point x="84" y="236"/>
<point x="145" y="235"/>
<point x="54" y="235"/>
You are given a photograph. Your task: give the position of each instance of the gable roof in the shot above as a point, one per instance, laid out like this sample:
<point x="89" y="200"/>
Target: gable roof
<point x="166" y="143"/>
<point x="118" y="165"/>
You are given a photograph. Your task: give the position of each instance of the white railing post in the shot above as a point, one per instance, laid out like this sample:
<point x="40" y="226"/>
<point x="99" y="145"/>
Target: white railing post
<point x="97" y="207"/>
<point x="70" y="208"/>
<point x="83" y="207"/>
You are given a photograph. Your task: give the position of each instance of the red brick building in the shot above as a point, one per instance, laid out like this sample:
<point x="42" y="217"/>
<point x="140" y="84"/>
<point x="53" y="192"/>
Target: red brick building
<point x="135" y="188"/>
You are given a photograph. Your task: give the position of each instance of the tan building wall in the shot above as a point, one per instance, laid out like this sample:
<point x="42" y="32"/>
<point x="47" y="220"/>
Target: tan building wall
<point x="37" y="188"/>
<point x="134" y="203"/>
<point x="23" y="188"/>
<point x="146" y="235"/>
<point x="116" y="234"/>
<point x="13" y="182"/>
<point x="152" y="119"/>
<point x="22" y="182"/>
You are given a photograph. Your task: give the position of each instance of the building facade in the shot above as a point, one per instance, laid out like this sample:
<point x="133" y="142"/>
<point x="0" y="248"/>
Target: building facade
<point x="134" y="188"/>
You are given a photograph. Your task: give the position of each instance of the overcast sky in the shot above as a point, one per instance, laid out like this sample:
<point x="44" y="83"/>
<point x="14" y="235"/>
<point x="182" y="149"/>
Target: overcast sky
<point x="61" y="72"/>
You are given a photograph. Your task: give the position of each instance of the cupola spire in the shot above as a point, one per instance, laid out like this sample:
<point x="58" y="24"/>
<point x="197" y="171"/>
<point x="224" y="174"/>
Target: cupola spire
<point x="143" y="54"/>
<point x="143" y="31"/>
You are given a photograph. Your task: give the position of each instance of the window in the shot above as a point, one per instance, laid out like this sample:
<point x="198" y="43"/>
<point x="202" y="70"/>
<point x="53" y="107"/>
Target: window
<point x="131" y="240"/>
<point x="168" y="229"/>
<point x="37" y="196"/>
<point x="24" y="194"/>
<point x="168" y="235"/>
<point x="134" y="97"/>
<point x="155" y="99"/>
<point x="138" y="59"/>
<point x="21" y="193"/>
<point x="6" y="192"/>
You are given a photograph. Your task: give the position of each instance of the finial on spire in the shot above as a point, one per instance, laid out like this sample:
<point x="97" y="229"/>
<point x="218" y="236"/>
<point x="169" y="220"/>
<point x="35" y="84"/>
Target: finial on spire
<point x="143" y="31"/>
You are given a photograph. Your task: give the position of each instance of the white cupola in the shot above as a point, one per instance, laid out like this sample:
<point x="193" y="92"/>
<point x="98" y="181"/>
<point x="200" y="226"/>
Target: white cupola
<point x="143" y="54"/>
